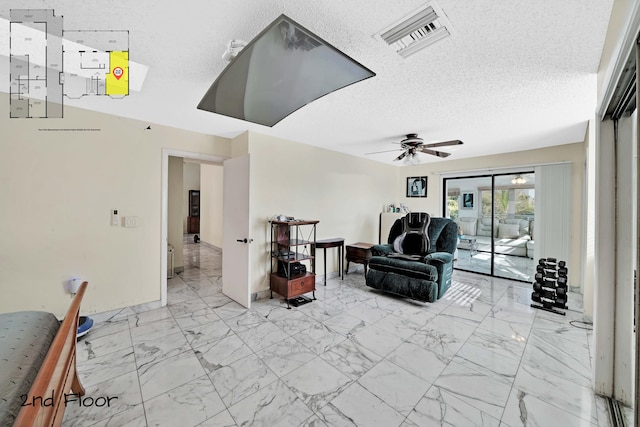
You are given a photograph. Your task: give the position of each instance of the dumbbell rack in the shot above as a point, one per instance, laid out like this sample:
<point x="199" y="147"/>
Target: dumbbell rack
<point x="550" y="286"/>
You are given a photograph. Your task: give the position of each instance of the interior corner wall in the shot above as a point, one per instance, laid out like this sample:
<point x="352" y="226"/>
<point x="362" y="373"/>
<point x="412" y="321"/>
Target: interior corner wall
<point x="345" y="193"/>
<point x="625" y="257"/>
<point x="573" y="153"/>
<point x="588" y="213"/>
<point x="190" y="181"/>
<point x="604" y="291"/>
<point x="175" y="211"/>
<point x="211" y="180"/>
<point x="58" y="189"/>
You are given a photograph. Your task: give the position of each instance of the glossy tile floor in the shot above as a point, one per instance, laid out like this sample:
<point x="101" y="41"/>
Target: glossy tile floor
<point x="481" y="356"/>
<point x="508" y="266"/>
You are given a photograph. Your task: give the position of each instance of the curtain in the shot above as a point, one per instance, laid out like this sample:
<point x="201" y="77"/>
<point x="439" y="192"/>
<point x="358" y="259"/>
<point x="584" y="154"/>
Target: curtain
<point x="552" y="211"/>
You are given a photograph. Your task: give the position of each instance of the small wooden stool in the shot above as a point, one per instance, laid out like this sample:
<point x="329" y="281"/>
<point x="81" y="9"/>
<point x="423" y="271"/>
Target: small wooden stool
<point x="336" y="242"/>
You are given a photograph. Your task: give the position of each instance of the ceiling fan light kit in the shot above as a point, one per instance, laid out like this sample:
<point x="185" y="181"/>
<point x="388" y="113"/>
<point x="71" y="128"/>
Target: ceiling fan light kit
<point x="413" y="144"/>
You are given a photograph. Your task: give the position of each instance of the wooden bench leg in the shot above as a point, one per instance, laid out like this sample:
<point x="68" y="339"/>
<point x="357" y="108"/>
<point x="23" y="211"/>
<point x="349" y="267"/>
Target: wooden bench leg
<point x="76" y="387"/>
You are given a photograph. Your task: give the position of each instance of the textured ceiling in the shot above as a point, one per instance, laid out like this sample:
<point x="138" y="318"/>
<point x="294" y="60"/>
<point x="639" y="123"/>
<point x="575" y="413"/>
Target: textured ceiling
<point x="514" y="75"/>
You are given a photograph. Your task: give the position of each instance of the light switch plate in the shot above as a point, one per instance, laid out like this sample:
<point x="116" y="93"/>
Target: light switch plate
<point x="115" y="217"/>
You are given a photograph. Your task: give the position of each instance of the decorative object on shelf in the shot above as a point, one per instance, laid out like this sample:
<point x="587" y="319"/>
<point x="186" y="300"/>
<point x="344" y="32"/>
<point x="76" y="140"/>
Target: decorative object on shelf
<point x="550" y="286"/>
<point x="468" y="200"/>
<point x="293" y="242"/>
<point x="417" y="186"/>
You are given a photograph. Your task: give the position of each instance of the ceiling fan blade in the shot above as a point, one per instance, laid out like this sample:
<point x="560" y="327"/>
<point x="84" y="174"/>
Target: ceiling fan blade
<point x="401" y="156"/>
<point x="386" y="151"/>
<point x="433" y="152"/>
<point x="444" y="143"/>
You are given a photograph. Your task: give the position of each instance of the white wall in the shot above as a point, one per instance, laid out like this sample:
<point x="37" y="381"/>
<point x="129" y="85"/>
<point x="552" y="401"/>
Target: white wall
<point x="625" y="258"/>
<point x="57" y="191"/>
<point x="589" y="224"/>
<point x="190" y="181"/>
<point x="344" y="193"/>
<point x="211" y="179"/>
<point x="612" y="366"/>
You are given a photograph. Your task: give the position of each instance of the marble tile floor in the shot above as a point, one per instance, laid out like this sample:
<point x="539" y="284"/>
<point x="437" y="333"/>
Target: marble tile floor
<point x="480" y="356"/>
<point x="507" y="266"/>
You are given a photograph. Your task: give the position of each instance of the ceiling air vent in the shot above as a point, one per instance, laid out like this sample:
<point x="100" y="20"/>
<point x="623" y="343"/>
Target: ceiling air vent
<point x="418" y="30"/>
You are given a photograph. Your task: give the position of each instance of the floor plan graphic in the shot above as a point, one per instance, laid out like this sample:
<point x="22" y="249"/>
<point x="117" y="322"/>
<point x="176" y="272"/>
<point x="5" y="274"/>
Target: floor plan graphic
<point x="35" y="64"/>
<point x="48" y="63"/>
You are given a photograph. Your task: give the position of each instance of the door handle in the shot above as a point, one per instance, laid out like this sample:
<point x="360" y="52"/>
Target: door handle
<point x="245" y="240"/>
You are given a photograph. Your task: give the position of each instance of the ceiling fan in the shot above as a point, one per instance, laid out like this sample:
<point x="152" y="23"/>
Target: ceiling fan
<point x="413" y="144"/>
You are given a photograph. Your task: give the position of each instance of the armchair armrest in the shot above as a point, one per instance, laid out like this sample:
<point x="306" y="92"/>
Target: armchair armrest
<point x="381" y="250"/>
<point x="438" y="257"/>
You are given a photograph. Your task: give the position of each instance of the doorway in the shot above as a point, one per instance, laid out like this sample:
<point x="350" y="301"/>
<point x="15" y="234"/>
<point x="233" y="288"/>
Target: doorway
<point x="495" y="216"/>
<point x="177" y="207"/>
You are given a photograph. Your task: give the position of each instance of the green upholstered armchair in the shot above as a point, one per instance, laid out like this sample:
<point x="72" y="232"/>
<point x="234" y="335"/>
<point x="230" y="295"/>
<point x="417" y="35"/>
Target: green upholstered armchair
<point x="423" y="277"/>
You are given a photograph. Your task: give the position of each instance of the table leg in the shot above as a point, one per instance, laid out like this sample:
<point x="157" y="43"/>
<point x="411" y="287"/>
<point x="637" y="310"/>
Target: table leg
<point x="341" y="260"/>
<point x="324" y="258"/>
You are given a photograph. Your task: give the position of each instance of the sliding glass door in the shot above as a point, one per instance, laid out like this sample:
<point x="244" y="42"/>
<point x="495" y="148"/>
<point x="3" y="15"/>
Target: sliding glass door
<point x="495" y="216"/>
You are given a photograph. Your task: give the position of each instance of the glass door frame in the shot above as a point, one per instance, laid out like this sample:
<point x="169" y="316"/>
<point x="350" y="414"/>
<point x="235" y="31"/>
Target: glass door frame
<point x="445" y="198"/>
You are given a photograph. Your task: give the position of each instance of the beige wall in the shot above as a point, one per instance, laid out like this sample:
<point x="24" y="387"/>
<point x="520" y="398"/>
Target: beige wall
<point x="57" y="189"/>
<point x="211" y="204"/>
<point x="344" y="193"/>
<point x="620" y="13"/>
<point x="190" y="181"/>
<point x="574" y="153"/>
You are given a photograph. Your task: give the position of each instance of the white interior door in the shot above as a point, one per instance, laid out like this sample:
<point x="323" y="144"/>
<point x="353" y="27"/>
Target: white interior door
<point x="236" y="256"/>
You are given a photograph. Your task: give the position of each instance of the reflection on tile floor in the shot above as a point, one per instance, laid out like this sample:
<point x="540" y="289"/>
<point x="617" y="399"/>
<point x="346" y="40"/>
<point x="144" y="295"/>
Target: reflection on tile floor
<point x="481" y="356"/>
<point x="507" y="266"/>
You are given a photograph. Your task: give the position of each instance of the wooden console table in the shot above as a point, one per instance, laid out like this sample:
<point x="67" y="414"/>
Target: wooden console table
<point x="360" y="254"/>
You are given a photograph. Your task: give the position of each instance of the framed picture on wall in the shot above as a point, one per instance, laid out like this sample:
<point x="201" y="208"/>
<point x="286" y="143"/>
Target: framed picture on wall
<point x="417" y="186"/>
<point x="467" y="200"/>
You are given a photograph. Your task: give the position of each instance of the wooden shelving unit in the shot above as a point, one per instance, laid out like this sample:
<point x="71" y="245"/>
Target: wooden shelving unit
<point x="293" y="242"/>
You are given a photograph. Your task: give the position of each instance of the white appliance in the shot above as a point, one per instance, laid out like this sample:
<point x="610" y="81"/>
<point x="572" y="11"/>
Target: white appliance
<point x="386" y="222"/>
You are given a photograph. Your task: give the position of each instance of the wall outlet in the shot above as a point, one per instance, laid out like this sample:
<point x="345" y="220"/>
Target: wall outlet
<point x="131" y="221"/>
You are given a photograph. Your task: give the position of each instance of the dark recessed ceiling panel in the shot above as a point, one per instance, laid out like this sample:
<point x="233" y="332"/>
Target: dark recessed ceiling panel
<point x="281" y="70"/>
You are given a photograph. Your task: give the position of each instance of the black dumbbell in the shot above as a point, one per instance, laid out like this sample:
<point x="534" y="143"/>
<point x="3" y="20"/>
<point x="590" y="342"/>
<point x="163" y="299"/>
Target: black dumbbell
<point x="562" y="281"/>
<point x="564" y="271"/>
<point x="537" y="286"/>
<point x="561" y="292"/>
<point x="562" y="264"/>
<point x="535" y="296"/>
